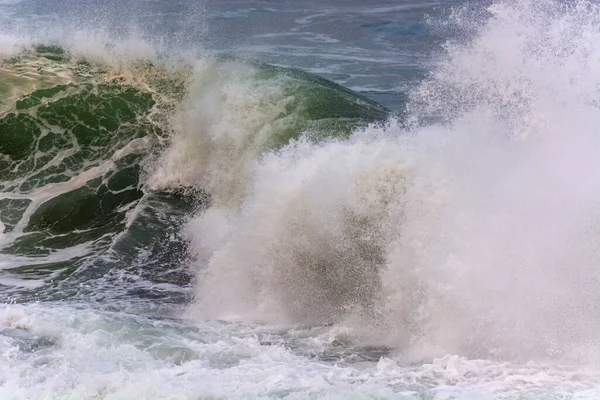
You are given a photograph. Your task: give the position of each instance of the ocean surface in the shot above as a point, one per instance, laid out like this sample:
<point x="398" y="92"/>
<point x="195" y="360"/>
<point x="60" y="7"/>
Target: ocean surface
<point x="278" y="199"/>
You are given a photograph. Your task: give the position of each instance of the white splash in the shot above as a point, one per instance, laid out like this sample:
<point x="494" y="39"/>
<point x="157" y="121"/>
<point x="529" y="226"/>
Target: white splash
<point x="475" y="236"/>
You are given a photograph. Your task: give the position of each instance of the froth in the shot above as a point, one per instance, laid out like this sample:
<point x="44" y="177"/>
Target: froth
<point x="61" y="352"/>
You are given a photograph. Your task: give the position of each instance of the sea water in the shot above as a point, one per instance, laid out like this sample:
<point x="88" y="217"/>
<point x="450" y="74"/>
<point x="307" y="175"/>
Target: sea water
<point x="308" y="199"/>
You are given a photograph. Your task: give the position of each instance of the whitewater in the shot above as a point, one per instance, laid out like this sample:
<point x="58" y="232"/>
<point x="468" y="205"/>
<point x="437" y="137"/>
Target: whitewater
<point x="259" y="200"/>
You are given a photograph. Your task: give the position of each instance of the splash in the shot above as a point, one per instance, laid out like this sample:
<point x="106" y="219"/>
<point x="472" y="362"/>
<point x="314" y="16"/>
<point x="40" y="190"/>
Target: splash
<point x="474" y="235"/>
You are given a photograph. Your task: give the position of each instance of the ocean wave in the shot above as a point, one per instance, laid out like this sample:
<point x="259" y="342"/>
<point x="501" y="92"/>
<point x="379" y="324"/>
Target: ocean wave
<point x="89" y="137"/>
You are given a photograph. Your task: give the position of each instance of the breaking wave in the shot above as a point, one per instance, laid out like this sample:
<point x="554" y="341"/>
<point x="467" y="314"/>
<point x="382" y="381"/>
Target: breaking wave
<point x="93" y="143"/>
<point x="473" y="234"/>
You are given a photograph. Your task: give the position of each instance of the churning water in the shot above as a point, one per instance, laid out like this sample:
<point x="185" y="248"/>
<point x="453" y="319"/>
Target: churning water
<point x="182" y="221"/>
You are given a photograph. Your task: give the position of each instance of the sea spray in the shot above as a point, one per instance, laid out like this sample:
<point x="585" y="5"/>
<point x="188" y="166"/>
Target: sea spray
<point x="475" y="235"/>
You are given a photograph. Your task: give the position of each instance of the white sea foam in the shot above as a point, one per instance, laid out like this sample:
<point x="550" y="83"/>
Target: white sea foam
<point x="52" y="352"/>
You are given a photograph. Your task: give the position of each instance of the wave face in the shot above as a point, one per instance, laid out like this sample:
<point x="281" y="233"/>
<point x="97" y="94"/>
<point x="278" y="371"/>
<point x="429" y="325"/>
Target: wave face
<point x="476" y="234"/>
<point x="71" y="142"/>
